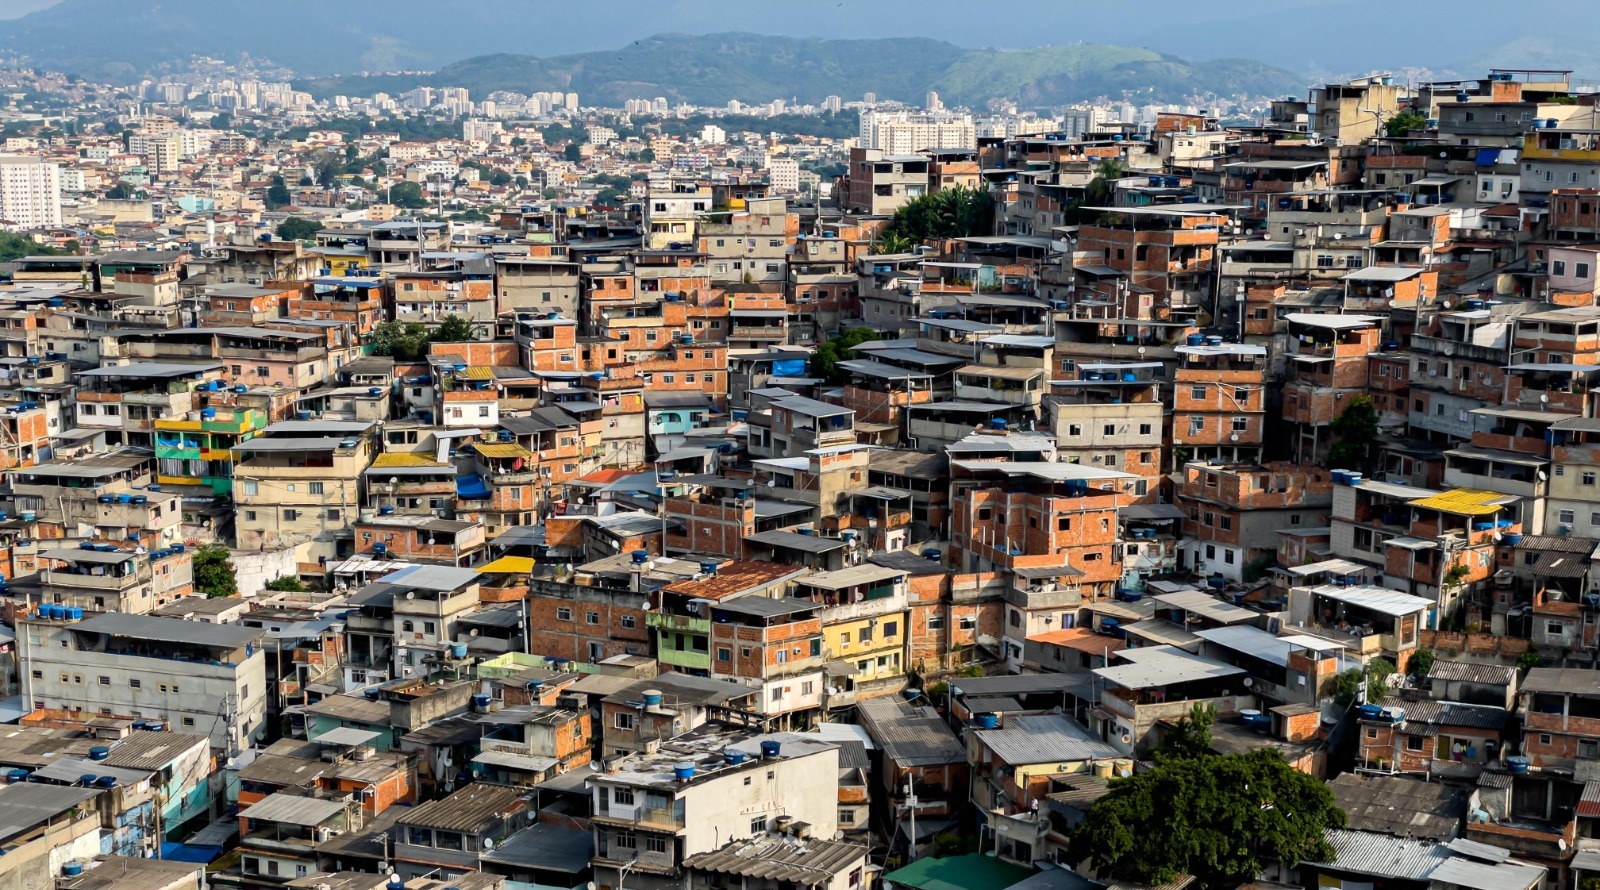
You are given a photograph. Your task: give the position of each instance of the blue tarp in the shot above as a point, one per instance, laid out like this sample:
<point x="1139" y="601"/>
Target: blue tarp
<point x="1488" y="157"/>
<point x="789" y="368"/>
<point x="471" y="486"/>
<point x="200" y="853"/>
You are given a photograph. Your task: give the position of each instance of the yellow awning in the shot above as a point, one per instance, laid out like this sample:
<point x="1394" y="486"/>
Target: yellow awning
<point x="508" y="565"/>
<point x="397" y="459"/>
<point x="476" y="372"/>
<point x="501" y="449"/>
<point x="1463" y="502"/>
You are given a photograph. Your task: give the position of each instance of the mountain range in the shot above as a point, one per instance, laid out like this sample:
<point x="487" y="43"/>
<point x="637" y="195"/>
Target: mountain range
<point x="713" y="68"/>
<point x="332" y="43"/>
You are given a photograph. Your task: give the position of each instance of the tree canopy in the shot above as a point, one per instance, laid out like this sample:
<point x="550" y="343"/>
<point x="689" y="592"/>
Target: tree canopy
<point x="841" y="347"/>
<point x="950" y="213"/>
<point x="1356" y="428"/>
<point x="14" y="246"/>
<point x="409" y="341"/>
<point x="1403" y="123"/>
<point x="408" y="195"/>
<point x="286" y="583"/>
<point x="1219" y="818"/>
<point x="454" y="329"/>
<point x="213" y="571"/>
<point x="297" y="228"/>
<point x="122" y="191"/>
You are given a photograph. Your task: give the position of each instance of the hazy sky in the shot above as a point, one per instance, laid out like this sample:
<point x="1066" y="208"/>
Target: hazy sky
<point x="1322" y="36"/>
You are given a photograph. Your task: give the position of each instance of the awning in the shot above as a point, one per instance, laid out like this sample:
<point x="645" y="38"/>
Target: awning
<point x="471" y="486"/>
<point x="527" y="763"/>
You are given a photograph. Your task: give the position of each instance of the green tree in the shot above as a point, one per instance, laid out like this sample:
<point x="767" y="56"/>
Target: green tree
<point x="1529" y="660"/>
<point x="328" y="167"/>
<point x="1102" y="188"/>
<point x="1377" y="673"/>
<point x="454" y="329"/>
<point x="500" y="177"/>
<point x="1403" y="123"/>
<point x="1422" y="662"/>
<point x="1219" y="818"/>
<point x="213" y="571"/>
<point x="894" y="242"/>
<point x="951" y="213"/>
<point x="286" y="583"/>
<point x="14" y="246"/>
<point x="122" y="191"/>
<point x="403" y="341"/>
<point x="1357" y="429"/>
<point x="278" y="194"/>
<point x="1192" y="736"/>
<point x="408" y="195"/>
<point x="298" y="228"/>
<point x="825" y="360"/>
<point x="573" y="152"/>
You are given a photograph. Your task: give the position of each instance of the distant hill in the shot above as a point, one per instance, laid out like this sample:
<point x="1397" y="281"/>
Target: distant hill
<point x="711" y="69"/>
<point x="126" y="39"/>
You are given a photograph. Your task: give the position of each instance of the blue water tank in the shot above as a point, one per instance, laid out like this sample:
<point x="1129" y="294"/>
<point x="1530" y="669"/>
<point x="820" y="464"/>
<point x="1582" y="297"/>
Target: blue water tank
<point x="998" y="423"/>
<point x="732" y="757"/>
<point x="683" y="772"/>
<point x="87" y="780"/>
<point x="385" y="510"/>
<point x="99" y="752"/>
<point x="106" y="782"/>
<point x="932" y="553"/>
<point x="481" y="701"/>
<point x="17" y="775"/>
<point x="374" y="391"/>
<point x="652" y="698"/>
<point x="1195" y="340"/>
<point x="708" y="567"/>
<point x="987" y="721"/>
<point x="72" y="869"/>
<point x="303" y="415"/>
<point x="458" y="650"/>
<point x="74" y="613"/>
<point x="208" y="414"/>
<point x="380" y="548"/>
<point x="372" y="693"/>
<point x="769" y="750"/>
<point x="1518" y="765"/>
<point x="178" y="547"/>
<point x="640" y="557"/>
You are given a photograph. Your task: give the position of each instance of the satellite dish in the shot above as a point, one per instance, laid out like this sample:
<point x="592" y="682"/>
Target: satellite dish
<point x="1249" y="682"/>
<point x="488" y="843"/>
<point x="645" y="607"/>
<point x="838" y="835"/>
<point x="411" y="594"/>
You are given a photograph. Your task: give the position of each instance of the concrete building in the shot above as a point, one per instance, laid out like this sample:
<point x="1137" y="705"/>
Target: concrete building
<point x="200" y="678"/>
<point x="30" y="193"/>
<point x="699" y="792"/>
<point x="904" y="132"/>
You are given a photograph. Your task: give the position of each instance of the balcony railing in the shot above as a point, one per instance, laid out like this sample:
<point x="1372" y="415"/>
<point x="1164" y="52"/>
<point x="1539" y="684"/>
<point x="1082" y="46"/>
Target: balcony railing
<point x="678" y="622"/>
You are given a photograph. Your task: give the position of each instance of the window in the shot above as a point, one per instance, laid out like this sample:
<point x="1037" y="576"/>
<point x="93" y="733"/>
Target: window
<point x="591" y="617"/>
<point x="316" y="488"/>
<point x="291" y="515"/>
<point x="563" y="614"/>
<point x="133" y="683"/>
<point x="1555" y="629"/>
<point x="1588" y="749"/>
<point x="1413" y="743"/>
<point x="936" y="622"/>
<point x="1581" y="270"/>
<point x="890" y="628"/>
<point x="1565" y="517"/>
<point x="655" y="844"/>
<point x="1197" y="392"/>
<point x="1587" y="478"/>
<point x="1144" y="429"/>
<point x="1074" y="430"/>
<point x="251" y="488"/>
<point x="1197" y="425"/>
<point x="758" y="825"/>
<point x="1558" y="267"/>
<point x="1241" y="424"/>
<point x="624" y="721"/>
<point x="629" y="621"/>
<point x="724" y="654"/>
<point x="626" y="840"/>
<point x="1109" y="429"/>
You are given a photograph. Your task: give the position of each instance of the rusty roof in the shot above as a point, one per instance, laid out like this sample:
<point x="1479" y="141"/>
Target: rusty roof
<point x="735" y="578"/>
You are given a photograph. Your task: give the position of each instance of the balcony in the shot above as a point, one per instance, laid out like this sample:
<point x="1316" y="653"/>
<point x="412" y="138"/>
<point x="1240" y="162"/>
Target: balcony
<point x="685" y="658"/>
<point x="688" y="623"/>
<point x="758" y="332"/>
<point x="639" y="816"/>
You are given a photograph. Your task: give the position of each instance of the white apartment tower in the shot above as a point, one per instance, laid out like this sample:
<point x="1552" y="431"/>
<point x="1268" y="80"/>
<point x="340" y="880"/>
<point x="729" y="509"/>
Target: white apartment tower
<point x="908" y="132"/>
<point x="30" y="192"/>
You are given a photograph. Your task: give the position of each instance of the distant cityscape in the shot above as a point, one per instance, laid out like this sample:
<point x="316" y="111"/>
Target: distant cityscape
<point x="430" y="490"/>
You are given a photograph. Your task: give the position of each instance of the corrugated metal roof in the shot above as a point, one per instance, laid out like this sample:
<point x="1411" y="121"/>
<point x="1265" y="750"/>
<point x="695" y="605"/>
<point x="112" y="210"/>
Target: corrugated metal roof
<point x="908" y="734"/>
<point x="1376" y="599"/>
<point x="1486" y="876"/>
<point x="395" y="459"/>
<point x="1047" y="738"/>
<point x="26" y="805"/>
<point x="170" y="630"/>
<point x="289" y="809"/>
<point x="781" y="860"/>
<point x="1464" y="502"/>
<point x="501" y="449"/>
<point x="1164" y="665"/>
<point x="508" y="565"/>
<point x="467" y="809"/>
<point x="1472" y="672"/>
<point x="1385" y="855"/>
<point x="154" y="750"/>
<point x="1204" y="604"/>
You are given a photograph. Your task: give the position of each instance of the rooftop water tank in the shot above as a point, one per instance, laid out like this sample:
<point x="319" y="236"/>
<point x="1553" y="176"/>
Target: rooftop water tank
<point x="770" y="750"/>
<point x="683" y="772"/>
<point x="99" y="752"/>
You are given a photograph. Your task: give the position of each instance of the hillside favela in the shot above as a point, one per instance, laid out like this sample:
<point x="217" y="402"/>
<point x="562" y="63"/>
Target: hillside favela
<point x="712" y="446"/>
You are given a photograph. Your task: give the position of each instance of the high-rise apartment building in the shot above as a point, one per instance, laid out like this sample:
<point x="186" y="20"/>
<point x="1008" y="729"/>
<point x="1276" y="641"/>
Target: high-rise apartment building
<point x="907" y="132"/>
<point x="30" y="192"/>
